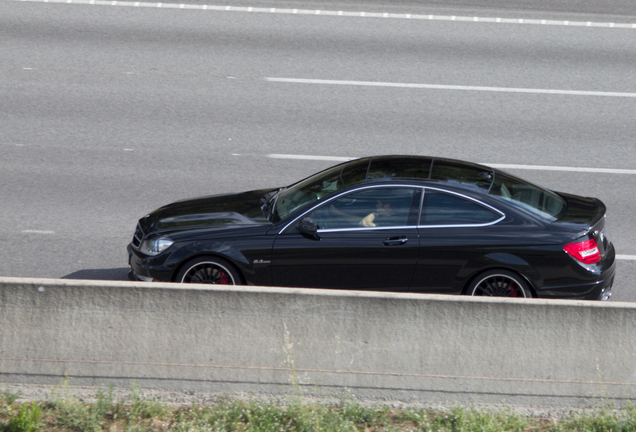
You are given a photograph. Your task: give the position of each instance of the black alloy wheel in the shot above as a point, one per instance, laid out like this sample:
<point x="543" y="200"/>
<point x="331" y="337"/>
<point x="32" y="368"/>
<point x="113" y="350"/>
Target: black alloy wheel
<point x="499" y="283"/>
<point x="208" y="270"/>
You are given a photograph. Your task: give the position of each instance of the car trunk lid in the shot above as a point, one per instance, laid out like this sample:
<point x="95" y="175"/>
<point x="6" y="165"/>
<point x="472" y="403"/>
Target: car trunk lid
<point x="585" y="218"/>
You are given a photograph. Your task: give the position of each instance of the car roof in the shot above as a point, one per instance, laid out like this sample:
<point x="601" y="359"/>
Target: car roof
<point x="465" y="175"/>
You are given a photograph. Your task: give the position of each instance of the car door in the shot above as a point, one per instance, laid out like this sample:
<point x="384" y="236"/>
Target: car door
<point x="454" y="230"/>
<point x="347" y="254"/>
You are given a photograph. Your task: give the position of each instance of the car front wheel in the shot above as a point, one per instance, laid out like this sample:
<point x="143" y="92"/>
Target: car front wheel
<point x="499" y="283"/>
<point x="208" y="270"/>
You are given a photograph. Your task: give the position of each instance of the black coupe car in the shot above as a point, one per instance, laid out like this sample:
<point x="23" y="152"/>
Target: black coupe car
<point x="389" y="223"/>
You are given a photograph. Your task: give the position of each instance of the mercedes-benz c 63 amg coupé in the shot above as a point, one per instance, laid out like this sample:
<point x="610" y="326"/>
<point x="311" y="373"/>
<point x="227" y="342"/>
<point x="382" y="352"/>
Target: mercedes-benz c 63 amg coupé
<point x="390" y="223"/>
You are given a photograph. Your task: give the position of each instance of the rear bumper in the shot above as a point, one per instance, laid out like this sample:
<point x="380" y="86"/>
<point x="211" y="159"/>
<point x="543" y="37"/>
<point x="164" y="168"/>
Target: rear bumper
<point x="601" y="290"/>
<point x="595" y="281"/>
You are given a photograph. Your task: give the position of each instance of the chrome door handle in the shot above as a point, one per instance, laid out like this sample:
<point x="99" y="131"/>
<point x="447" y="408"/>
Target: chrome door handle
<point x="395" y="241"/>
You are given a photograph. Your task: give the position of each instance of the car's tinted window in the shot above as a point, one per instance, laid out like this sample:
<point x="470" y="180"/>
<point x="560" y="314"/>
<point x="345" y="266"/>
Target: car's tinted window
<point x="354" y="171"/>
<point x="537" y="200"/>
<point x="399" y="167"/>
<point x="448" y="209"/>
<point x="307" y="191"/>
<point x="318" y="186"/>
<point x="389" y="207"/>
<point x="467" y="175"/>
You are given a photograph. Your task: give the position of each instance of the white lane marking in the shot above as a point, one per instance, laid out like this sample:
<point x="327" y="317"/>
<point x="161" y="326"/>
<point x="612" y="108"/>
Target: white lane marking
<point x="450" y="87"/>
<point x="561" y="168"/>
<point x="626" y="257"/>
<point x="500" y="166"/>
<point x="383" y="15"/>
<point x="308" y="157"/>
<point x="37" y="232"/>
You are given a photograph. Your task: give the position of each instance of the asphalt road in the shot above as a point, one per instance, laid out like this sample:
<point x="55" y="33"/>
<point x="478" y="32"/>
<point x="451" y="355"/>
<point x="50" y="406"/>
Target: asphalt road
<point x="585" y="10"/>
<point x="109" y="111"/>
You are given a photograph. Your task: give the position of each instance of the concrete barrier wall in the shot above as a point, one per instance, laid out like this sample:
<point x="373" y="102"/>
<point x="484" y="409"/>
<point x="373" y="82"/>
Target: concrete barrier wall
<point x="275" y="340"/>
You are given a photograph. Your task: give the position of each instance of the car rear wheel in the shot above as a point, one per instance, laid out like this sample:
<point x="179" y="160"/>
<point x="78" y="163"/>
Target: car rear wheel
<point x="208" y="270"/>
<point x="499" y="283"/>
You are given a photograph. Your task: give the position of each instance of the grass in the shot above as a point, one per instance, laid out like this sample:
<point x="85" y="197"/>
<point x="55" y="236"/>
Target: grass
<point x="67" y="413"/>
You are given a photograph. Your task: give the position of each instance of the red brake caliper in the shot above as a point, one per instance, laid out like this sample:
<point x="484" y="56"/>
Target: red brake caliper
<point x="223" y="278"/>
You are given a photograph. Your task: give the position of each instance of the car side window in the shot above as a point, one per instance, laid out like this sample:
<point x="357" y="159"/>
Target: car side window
<point x="373" y="207"/>
<point x="448" y="209"/>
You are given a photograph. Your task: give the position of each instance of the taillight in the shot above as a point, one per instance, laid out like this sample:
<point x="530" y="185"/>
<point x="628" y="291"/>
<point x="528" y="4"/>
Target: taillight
<point x="586" y="251"/>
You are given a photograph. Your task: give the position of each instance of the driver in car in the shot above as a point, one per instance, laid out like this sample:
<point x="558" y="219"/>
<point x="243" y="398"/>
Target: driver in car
<point x="382" y="210"/>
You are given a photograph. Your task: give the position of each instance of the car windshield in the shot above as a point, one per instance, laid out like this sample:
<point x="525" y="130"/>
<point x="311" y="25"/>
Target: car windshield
<point x="318" y="186"/>
<point x="539" y="201"/>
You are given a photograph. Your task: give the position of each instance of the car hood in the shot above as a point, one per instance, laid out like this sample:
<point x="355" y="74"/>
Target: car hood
<point x="217" y="211"/>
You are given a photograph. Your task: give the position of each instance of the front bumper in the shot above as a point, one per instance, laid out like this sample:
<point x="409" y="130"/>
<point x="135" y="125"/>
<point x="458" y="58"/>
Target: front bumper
<point x="143" y="269"/>
<point x="132" y="276"/>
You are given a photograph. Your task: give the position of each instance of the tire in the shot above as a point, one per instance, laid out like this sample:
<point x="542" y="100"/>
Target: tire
<point x="208" y="270"/>
<point x="499" y="283"/>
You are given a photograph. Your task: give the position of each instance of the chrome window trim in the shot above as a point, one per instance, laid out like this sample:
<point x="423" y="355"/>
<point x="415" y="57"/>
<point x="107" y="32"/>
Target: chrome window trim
<point x="462" y="225"/>
<point x="424" y="189"/>
<point x="483" y="204"/>
<point x="385" y="186"/>
<point x="328" y="230"/>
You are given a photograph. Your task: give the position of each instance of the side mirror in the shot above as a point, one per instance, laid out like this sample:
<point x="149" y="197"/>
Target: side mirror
<point x="308" y="227"/>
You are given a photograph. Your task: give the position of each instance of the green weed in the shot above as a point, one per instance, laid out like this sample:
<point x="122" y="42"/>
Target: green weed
<point x="138" y="414"/>
<point x="8" y="397"/>
<point x="27" y="419"/>
<point x="602" y="421"/>
<point x="460" y="419"/>
<point x="142" y="408"/>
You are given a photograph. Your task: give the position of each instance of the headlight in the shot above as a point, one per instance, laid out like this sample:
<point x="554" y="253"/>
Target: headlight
<point x="155" y="246"/>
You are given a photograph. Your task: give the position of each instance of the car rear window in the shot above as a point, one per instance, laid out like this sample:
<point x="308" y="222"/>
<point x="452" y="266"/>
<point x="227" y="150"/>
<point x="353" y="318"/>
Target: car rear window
<point x="537" y="200"/>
